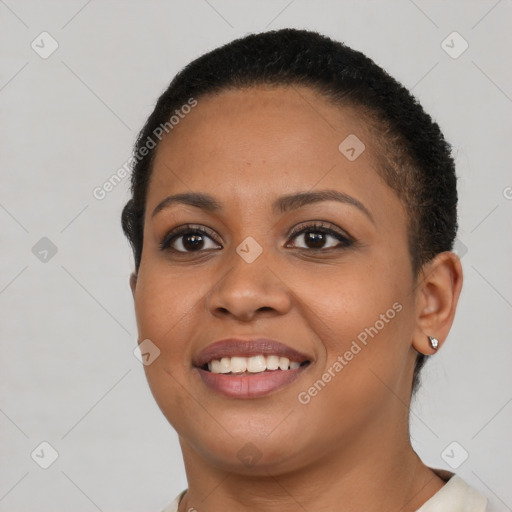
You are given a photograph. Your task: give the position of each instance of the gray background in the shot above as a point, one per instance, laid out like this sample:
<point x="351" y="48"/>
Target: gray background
<point x="68" y="121"/>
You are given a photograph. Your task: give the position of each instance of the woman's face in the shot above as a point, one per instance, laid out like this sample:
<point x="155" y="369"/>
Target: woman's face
<point x="266" y="267"/>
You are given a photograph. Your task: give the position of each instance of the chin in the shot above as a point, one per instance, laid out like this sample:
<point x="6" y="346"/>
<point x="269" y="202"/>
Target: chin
<point x="245" y="450"/>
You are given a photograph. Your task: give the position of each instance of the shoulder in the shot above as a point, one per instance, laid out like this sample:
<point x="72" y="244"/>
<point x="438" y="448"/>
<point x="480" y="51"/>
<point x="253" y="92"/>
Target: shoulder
<point x="173" y="507"/>
<point x="455" y="496"/>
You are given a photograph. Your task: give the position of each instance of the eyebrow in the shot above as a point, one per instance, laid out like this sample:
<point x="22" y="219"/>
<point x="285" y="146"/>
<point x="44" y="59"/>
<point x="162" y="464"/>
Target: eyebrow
<point x="282" y="205"/>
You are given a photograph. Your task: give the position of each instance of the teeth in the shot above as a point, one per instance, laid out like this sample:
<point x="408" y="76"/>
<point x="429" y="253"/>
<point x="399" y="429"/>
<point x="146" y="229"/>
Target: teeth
<point x="221" y="366"/>
<point x="253" y="364"/>
<point x="284" y="362"/>
<point x="256" y="364"/>
<point x="225" y="365"/>
<point x="238" y="364"/>
<point x="272" y="362"/>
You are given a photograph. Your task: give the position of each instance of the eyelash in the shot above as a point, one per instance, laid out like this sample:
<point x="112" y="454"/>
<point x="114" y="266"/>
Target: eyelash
<point x="316" y="227"/>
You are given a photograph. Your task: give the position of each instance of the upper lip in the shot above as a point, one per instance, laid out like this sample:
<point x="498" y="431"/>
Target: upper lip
<point x="232" y="347"/>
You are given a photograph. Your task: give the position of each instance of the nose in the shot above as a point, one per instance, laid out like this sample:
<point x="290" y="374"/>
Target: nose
<point x="248" y="290"/>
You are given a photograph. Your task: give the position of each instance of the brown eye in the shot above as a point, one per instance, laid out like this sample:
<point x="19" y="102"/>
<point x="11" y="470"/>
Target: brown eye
<point x="315" y="240"/>
<point x="317" y="237"/>
<point x="187" y="239"/>
<point x="192" y="242"/>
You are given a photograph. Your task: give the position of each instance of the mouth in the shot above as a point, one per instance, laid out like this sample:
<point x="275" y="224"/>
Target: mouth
<point x="238" y="365"/>
<point x="249" y="368"/>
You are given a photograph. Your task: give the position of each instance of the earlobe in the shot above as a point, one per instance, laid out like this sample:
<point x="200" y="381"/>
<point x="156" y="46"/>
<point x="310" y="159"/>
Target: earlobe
<point x="133" y="282"/>
<point x="434" y="342"/>
<point x="437" y="297"/>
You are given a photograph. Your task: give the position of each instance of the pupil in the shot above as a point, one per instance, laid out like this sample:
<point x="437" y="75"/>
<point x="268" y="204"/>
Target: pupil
<point x="315" y="239"/>
<point x="193" y="242"/>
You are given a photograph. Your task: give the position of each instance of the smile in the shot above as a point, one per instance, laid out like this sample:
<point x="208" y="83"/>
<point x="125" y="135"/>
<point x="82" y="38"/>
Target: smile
<point x="251" y="365"/>
<point x="248" y="384"/>
<point x="249" y="368"/>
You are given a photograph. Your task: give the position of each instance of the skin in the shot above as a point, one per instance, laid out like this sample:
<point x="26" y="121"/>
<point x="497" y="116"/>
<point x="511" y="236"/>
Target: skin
<point x="350" y="444"/>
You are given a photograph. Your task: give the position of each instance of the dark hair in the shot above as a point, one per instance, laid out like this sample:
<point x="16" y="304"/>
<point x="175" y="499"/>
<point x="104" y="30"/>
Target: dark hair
<point x="415" y="159"/>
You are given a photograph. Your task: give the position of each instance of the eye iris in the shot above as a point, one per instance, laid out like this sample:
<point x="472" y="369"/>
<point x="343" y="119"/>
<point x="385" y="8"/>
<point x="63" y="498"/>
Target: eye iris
<point x="315" y="239"/>
<point x="192" y="242"/>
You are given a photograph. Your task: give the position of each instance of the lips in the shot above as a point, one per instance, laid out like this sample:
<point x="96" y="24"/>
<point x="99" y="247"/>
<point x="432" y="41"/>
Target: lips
<point x="249" y="387"/>
<point x="234" y="347"/>
<point x="261" y="377"/>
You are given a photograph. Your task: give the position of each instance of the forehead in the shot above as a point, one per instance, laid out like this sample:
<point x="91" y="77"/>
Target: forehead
<point x="253" y="143"/>
<point x="264" y="122"/>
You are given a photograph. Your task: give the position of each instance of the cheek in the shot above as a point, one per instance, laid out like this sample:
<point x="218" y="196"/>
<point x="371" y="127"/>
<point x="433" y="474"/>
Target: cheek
<point x="364" y="315"/>
<point x="165" y="303"/>
<point x="349" y="297"/>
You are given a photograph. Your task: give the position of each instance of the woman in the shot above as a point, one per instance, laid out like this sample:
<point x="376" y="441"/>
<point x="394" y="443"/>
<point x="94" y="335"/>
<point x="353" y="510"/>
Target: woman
<point x="292" y="217"/>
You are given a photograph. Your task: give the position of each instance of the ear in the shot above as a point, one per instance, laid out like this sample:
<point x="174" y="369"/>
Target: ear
<point x="133" y="282"/>
<point x="437" y="295"/>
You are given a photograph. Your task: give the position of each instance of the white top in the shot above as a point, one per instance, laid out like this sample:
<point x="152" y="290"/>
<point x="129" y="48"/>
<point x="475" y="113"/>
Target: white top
<point x="455" y="496"/>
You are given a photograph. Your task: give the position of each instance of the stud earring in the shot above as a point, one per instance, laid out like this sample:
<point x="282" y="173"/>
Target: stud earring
<point x="434" y="342"/>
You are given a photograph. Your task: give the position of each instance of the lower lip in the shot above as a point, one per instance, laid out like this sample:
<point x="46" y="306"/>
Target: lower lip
<point x="250" y="385"/>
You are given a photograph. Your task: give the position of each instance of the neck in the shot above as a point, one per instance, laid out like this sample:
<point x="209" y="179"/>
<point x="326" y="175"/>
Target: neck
<point x="377" y="471"/>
